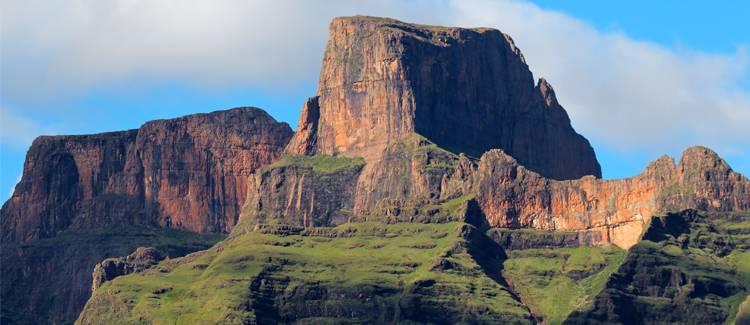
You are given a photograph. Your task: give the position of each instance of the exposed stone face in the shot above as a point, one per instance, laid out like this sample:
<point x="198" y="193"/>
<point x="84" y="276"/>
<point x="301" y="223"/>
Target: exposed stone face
<point x="609" y="211"/>
<point x="62" y="176"/>
<point x="142" y="259"/>
<point x="303" y="143"/>
<point x="468" y="90"/>
<point x="296" y="191"/>
<point x="187" y="173"/>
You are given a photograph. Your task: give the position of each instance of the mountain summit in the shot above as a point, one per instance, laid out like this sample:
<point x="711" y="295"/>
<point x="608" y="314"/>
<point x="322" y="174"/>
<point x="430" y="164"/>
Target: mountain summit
<point x="466" y="90"/>
<point x="431" y="180"/>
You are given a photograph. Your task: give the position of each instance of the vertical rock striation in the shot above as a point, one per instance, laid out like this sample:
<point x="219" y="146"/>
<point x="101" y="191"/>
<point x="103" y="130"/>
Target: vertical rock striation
<point x="186" y="173"/>
<point x="409" y="97"/>
<point x="467" y="90"/>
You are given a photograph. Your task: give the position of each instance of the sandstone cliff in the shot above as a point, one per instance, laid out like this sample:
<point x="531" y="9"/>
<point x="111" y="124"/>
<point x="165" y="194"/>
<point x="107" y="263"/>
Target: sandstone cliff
<point x="409" y="97"/>
<point x="86" y="198"/>
<point x="609" y="211"/>
<point x="416" y="181"/>
<point x="467" y="90"/>
<point x="187" y="173"/>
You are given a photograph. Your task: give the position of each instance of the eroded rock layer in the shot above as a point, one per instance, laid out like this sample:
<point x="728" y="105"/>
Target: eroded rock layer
<point x="416" y="181"/>
<point x="468" y="90"/>
<point x="186" y="173"/>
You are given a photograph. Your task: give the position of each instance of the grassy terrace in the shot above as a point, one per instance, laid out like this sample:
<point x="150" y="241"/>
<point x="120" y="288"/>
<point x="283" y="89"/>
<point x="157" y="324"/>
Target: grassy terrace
<point x="362" y="272"/>
<point x="320" y="164"/>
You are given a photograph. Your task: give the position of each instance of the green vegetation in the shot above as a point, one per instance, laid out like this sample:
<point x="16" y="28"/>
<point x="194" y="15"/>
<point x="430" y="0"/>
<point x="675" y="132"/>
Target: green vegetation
<point x="361" y="272"/>
<point x="553" y="282"/>
<point x="687" y="268"/>
<point x="320" y="164"/>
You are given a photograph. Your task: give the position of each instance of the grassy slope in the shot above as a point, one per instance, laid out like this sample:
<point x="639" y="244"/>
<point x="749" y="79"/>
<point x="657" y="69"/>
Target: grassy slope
<point x="548" y="279"/>
<point x="553" y="282"/>
<point x="698" y="271"/>
<point x="361" y="272"/>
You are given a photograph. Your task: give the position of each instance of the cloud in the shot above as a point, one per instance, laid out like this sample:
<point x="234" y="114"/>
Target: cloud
<point x="17" y="132"/>
<point x="625" y="93"/>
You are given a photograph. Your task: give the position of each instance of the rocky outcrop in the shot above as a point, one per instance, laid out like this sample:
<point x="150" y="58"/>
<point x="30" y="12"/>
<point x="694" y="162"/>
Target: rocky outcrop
<point x="467" y="90"/>
<point x="408" y="97"/>
<point x="142" y="259"/>
<point x="188" y="173"/>
<point x="301" y="190"/>
<point x="416" y="181"/>
<point x="609" y="211"/>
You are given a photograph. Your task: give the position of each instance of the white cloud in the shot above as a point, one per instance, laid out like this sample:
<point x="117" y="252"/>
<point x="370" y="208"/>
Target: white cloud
<point x="625" y="93"/>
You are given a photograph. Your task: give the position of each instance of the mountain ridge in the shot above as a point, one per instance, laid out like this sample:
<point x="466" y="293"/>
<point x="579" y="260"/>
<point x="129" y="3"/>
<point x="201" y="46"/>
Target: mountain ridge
<point x="431" y="179"/>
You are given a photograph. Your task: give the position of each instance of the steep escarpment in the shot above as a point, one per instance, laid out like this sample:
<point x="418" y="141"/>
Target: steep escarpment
<point x="608" y="211"/>
<point x="187" y="173"/>
<point x="411" y="100"/>
<point x="467" y="90"/>
<point x="417" y="181"/>
<point x="422" y="187"/>
<point x="135" y="186"/>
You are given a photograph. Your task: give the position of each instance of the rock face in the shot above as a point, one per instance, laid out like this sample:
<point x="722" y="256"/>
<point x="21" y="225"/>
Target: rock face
<point x="610" y="211"/>
<point x="416" y="181"/>
<point x="187" y="173"/>
<point x="408" y="97"/>
<point x="467" y="90"/>
<point x="142" y="259"/>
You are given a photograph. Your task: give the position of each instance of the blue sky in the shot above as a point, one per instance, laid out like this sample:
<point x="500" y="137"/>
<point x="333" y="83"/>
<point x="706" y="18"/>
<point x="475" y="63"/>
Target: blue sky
<point x="639" y="78"/>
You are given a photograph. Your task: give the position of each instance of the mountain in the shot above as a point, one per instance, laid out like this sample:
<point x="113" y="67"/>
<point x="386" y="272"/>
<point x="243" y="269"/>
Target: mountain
<point x="430" y="180"/>
<point x="85" y="198"/>
<point x="467" y="90"/>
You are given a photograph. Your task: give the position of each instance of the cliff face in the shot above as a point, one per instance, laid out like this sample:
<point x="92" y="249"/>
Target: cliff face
<point x="468" y="90"/>
<point x="610" y="211"/>
<point x="416" y="181"/>
<point x="136" y="186"/>
<point x="408" y="97"/>
<point x="187" y="173"/>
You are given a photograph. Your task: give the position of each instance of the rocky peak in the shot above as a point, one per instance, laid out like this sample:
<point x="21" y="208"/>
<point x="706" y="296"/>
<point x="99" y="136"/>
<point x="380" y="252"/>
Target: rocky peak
<point x="700" y="159"/>
<point x="468" y="90"/>
<point x="186" y="173"/>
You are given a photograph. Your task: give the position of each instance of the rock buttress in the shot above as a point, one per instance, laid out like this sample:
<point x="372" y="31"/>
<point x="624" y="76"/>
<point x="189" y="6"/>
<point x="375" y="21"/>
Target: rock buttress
<point x="467" y="90"/>
<point x="187" y="173"/>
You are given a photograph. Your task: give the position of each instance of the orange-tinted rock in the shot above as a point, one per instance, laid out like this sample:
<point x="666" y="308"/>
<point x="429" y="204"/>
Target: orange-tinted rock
<point x="187" y="173"/>
<point x="609" y="211"/>
<point x="468" y="90"/>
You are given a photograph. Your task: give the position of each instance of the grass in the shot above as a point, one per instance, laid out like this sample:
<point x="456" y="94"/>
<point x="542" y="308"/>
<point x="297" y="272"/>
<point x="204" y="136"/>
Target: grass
<point x="320" y="164"/>
<point x="362" y="272"/>
<point x="553" y="282"/>
<point x="688" y="268"/>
